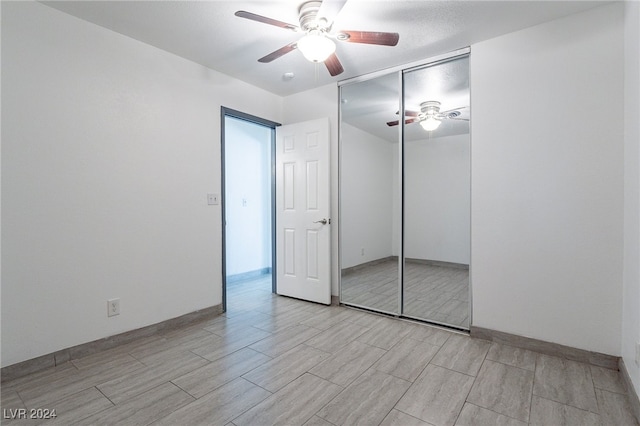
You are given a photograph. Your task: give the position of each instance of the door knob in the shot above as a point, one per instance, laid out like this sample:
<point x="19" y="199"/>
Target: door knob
<point x="323" y="221"/>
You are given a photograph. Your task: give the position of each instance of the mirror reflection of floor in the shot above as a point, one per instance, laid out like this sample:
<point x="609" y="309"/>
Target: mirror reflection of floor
<point x="438" y="293"/>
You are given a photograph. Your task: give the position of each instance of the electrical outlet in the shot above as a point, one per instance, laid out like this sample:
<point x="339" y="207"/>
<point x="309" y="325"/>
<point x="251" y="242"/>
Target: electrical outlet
<point x="361" y="252"/>
<point x="213" y="199"/>
<point x="638" y="354"/>
<point x="113" y="307"/>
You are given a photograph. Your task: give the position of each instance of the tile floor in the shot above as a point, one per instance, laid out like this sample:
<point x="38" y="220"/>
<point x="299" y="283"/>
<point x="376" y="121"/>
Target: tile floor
<point x="435" y="293"/>
<point x="273" y="360"/>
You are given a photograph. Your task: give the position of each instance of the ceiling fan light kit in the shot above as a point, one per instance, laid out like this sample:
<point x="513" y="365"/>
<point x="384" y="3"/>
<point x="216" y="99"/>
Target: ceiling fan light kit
<point x="430" y="117"/>
<point x="430" y="123"/>
<point x="317" y="45"/>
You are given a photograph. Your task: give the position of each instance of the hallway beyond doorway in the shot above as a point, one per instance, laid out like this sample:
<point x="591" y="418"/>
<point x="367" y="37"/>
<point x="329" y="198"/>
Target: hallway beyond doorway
<point x="248" y="199"/>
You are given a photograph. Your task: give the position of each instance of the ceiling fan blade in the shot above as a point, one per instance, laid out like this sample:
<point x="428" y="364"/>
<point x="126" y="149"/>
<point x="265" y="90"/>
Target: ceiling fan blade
<point x="280" y="52"/>
<point x="333" y="65"/>
<point x="265" y="20"/>
<point x="458" y="119"/>
<point x="329" y="9"/>
<point x="409" y="113"/>
<point x="453" y="109"/>
<point x="369" y="37"/>
<point x="396" y="122"/>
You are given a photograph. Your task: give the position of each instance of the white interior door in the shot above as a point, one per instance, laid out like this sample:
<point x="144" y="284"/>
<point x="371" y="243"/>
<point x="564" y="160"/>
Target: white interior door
<point x="302" y="211"/>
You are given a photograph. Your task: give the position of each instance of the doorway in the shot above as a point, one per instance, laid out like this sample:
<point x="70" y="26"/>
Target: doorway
<point x="248" y="204"/>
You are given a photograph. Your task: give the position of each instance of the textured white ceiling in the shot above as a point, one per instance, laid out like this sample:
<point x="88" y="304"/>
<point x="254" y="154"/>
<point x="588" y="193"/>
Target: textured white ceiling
<point x="207" y="32"/>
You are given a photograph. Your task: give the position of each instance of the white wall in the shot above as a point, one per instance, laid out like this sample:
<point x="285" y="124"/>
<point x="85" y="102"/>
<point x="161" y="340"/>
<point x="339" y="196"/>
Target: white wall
<point x="367" y="197"/>
<point x="547" y="179"/>
<point x="631" y="288"/>
<point x="247" y="196"/>
<point x="309" y="105"/>
<point x="437" y="199"/>
<point x="109" y="149"/>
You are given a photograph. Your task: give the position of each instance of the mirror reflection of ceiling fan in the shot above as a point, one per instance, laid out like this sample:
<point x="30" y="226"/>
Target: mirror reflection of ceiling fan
<point x="430" y="116"/>
<point x="317" y="45"/>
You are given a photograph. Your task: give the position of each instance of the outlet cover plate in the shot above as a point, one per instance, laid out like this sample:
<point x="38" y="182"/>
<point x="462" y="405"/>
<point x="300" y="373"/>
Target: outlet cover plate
<point x="213" y="199"/>
<point x="113" y="307"/>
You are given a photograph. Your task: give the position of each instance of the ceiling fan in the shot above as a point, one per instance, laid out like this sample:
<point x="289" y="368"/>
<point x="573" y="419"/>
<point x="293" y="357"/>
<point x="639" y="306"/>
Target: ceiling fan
<point x="316" y="20"/>
<point x="430" y="116"/>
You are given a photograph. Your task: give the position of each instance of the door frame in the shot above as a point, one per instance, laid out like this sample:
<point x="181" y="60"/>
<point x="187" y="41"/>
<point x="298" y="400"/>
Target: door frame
<point x="228" y="112"/>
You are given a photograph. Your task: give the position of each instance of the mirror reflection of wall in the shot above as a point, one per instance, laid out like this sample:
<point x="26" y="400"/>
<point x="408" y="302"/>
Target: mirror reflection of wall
<point x="422" y="184"/>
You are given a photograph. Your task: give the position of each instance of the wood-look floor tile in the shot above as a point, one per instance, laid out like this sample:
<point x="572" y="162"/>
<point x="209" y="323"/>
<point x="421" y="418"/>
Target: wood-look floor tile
<point x="436" y="396"/>
<point x="615" y="408"/>
<point x="45" y="393"/>
<point x="178" y="338"/>
<point x="398" y="418"/>
<point x="277" y="304"/>
<point x="510" y="355"/>
<point x="429" y="334"/>
<point x="223" y="370"/>
<point x="143" y="409"/>
<point x="10" y="398"/>
<point x="169" y="358"/>
<point x="472" y="415"/>
<point x="606" y="379"/>
<point x="292" y="405"/>
<point x="463" y="354"/>
<point x="101" y="359"/>
<point x="230" y="343"/>
<point x="317" y="421"/>
<point x="545" y="412"/>
<point x="286" y="319"/>
<point x="348" y="363"/>
<point x="217" y="408"/>
<point x="280" y="371"/>
<point x="364" y="319"/>
<point x="50" y="374"/>
<point x="337" y="337"/>
<point x="110" y="367"/>
<point x="327" y="318"/>
<point x="366" y="401"/>
<point x="278" y="343"/>
<point x="406" y="359"/>
<point x="80" y="406"/>
<point x="127" y="386"/>
<point x="503" y="389"/>
<point x="386" y="333"/>
<point x="68" y="410"/>
<point x="223" y="326"/>
<point x="565" y="381"/>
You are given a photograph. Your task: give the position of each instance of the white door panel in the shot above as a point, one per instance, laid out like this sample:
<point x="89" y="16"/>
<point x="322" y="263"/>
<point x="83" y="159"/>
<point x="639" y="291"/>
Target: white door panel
<point x="302" y="202"/>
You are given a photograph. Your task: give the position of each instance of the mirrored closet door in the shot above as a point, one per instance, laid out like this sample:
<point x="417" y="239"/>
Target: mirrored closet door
<point x="405" y="193"/>
<point x="370" y="195"/>
<point x="437" y="194"/>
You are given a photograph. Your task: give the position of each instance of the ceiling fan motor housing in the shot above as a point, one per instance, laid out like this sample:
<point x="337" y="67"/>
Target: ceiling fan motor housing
<point x="430" y="107"/>
<point x="308" y="16"/>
